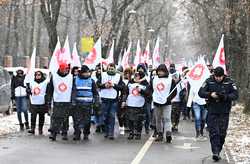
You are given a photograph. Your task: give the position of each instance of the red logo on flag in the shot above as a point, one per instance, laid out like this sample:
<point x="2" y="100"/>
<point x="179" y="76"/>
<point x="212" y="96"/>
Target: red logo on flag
<point x="135" y="92"/>
<point x="62" y="87"/>
<point x="222" y="56"/>
<point x="36" y="91"/>
<point x="160" y="87"/>
<point x="197" y="72"/>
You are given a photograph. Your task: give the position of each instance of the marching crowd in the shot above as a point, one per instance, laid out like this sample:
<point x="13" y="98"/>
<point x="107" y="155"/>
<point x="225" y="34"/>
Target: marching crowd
<point x="153" y="99"/>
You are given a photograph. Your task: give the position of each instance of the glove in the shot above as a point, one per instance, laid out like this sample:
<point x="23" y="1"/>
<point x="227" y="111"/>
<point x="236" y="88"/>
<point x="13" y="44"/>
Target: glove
<point x="222" y="96"/>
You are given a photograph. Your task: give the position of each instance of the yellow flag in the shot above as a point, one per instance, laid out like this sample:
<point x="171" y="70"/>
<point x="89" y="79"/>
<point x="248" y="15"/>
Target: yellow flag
<point x="87" y="43"/>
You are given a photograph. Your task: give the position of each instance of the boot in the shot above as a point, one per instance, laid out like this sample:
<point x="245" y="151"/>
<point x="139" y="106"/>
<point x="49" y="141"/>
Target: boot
<point x="198" y="133"/>
<point x="21" y="127"/>
<point x="77" y="137"/>
<point x="131" y="136"/>
<point x="31" y="131"/>
<point x="216" y="157"/>
<point x="159" y="137"/>
<point x="52" y="136"/>
<point x="64" y="136"/>
<point x="27" y="125"/>
<point x="168" y="137"/>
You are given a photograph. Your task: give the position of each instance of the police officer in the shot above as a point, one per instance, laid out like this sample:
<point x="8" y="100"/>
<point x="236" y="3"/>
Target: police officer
<point x="84" y="94"/>
<point x="220" y="91"/>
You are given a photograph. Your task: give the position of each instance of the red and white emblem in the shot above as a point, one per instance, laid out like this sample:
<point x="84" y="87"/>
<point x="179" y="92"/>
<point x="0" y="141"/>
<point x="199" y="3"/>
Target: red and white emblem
<point x="222" y="56"/>
<point x="197" y="72"/>
<point x="160" y="87"/>
<point x="62" y="87"/>
<point x="135" y="92"/>
<point x="36" y="91"/>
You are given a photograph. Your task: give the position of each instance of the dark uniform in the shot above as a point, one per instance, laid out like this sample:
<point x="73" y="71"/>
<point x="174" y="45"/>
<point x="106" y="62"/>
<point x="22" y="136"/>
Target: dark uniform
<point x="84" y="94"/>
<point x="218" y="108"/>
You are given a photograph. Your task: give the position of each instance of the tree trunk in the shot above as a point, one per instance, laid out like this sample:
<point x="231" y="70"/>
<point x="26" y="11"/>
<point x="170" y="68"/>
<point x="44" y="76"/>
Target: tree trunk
<point x="50" y="10"/>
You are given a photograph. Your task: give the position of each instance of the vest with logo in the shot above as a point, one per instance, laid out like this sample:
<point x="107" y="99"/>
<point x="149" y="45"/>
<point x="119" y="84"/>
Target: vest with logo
<point x="38" y="92"/>
<point x="109" y="93"/>
<point x="62" y="88"/>
<point x="135" y="99"/>
<point x="161" y="87"/>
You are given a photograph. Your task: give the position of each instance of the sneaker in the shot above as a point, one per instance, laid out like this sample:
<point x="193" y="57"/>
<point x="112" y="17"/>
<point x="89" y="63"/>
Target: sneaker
<point x="111" y="137"/>
<point x="159" y="137"/>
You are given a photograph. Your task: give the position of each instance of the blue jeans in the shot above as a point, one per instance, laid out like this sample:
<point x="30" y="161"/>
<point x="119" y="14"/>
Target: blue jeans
<point x="200" y="114"/>
<point x="22" y="106"/>
<point x="109" y="108"/>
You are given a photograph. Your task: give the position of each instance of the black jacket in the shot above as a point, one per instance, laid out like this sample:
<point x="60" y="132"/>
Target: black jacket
<point x="226" y="90"/>
<point x="16" y="81"/>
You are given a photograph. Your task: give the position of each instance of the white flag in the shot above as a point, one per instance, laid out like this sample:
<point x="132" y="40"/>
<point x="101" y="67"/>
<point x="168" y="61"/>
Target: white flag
<point x="219" y="58"/>
<point x="156" y="54"/>
<point x="54" y="61"/>
<point x="95" y="55"/>
<point x="31" y="68"/>
<point x="137" y="59"/>
<point x="75" y="58"/>
<point x="65" y="52"/>
<point x="198" y="74"/>
<point x="146" y="54"/>
<point x="125" y="59"/>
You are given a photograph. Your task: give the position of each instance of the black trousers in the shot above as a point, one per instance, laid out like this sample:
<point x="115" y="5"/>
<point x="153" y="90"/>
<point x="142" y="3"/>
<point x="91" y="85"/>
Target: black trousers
<point x="60" y="114"/>
<point x="82" y="119"/>
<point x="176" y="114"/>
<point x="217" y="126"/>
<point x="37" y="110"/>
<point x="136" y="117"/>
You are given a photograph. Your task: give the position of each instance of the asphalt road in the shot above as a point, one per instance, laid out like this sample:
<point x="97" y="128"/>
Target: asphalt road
<point x="22" y="148"/>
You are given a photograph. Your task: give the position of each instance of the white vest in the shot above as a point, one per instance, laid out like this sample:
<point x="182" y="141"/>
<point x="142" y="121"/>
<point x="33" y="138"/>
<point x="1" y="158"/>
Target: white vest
<point x="161" y="87"/>
<point x="135" y="99"/>
<point x="62" y="88"/>
<point x="38" y="92"/>
<point x="20" y="91"/>
<point x="110" y="93"/>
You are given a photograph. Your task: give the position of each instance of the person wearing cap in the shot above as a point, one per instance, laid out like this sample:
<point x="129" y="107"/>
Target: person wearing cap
<point x="110" y="85"/>
<point x="219" y="90"/>
<point x="84" y="95"/>
<point x="134" y="99"/>
<point x="164" y="91"/>
<point x="37" y="94"/>
<point x="59" y="89"/>
<point x="19" y="94"/>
